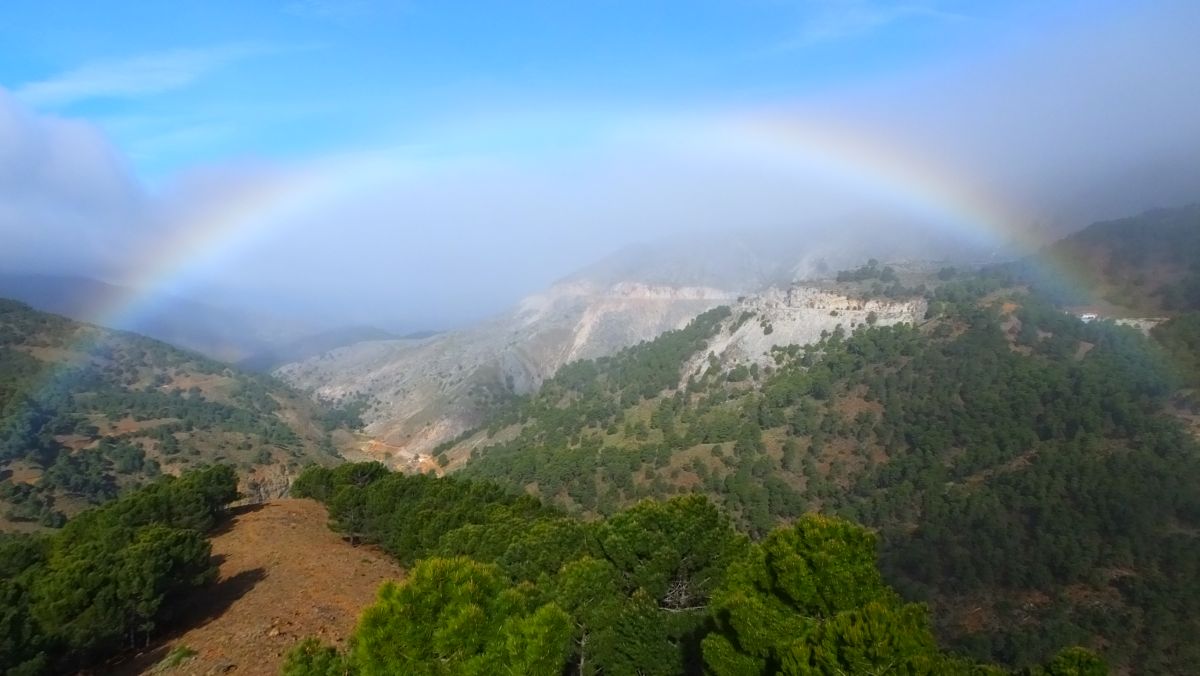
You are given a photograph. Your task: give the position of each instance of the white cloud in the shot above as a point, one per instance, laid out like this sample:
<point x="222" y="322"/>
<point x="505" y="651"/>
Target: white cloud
<point x="1064" y="129"/>
<point x="134" y="76"/>
<point x="66" y="197"/>
<point x="1095" y="120"/>
<point x="831" y="20"/>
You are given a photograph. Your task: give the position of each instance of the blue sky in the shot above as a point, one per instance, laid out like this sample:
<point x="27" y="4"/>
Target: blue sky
<point x="469" y="153"/>
<point x="197" y="81"/>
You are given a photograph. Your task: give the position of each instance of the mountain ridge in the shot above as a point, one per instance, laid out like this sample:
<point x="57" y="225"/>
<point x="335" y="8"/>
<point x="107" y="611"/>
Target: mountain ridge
<point x="215" y="332"/>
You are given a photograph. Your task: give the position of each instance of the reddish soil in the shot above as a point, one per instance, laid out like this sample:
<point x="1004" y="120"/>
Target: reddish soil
<point x="211" y="384"/>
<point x="392" y="454"/>
<point x="283" y="576"/>
<point x="24" y="472"/>
<point x="854" y="403"/>
<point x="127" y="425"/>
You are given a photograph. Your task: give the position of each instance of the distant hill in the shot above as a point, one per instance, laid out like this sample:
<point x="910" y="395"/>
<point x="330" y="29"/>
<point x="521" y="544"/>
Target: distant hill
<point x="215" y="332"/>
<point x="1145" y="265"/>
<point x="427" y="392"/>
<point x="271" y="358"/>
<point x="86" y="412"/>
<point x="253" y="341"/>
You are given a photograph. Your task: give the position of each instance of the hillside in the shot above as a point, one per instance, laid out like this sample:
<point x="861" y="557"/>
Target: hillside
<point x="87" y="412"/>
<point x="1017" y="462"/>
<point x="430" y="391"/>
<point x="266" y="598"/>
<point x="427" y="391"/>
<point x="503" y="584"/>
<point x="1142" y="265"/>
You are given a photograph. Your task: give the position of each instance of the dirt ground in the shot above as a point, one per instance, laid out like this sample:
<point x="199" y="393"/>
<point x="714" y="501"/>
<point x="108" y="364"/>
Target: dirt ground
<point x="283" y="576"/>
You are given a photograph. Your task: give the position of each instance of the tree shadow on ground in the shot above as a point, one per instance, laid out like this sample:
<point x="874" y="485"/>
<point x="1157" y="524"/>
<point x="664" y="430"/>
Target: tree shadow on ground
<point x="226" y="524"/>
<point x="204" y="606"/>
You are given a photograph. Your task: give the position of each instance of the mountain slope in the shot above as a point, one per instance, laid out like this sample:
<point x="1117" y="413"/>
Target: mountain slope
<point x="1017" y="463"/>
<point x="86" y="412"/>
<point x="429" y="392"/>
<point x="664" y="588"/>
<point x="1147" y="264"/>
<point x="743" y="340"/>
<point x="425" y="392"/>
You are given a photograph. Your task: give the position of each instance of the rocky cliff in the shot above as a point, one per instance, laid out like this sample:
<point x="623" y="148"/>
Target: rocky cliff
<point x="797" y="315"/>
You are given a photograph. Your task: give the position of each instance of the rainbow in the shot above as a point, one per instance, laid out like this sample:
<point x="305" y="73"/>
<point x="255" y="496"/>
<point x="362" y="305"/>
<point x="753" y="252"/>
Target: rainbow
<point x="784" y="142"/>
<point x="264" y="205"/>
<point x="881" y="171"/>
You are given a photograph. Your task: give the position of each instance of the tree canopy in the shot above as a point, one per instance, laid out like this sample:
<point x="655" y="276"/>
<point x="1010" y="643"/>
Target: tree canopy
<point x="112" y="577"/>
<point x="664" y="588"/>
<point x="1003" y="449"/>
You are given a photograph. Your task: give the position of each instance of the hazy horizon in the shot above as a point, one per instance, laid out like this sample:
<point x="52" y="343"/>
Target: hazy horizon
<point x="422" y="166"/>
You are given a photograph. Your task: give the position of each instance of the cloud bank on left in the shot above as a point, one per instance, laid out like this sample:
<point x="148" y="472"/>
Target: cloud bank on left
<point x="67" y="198"/>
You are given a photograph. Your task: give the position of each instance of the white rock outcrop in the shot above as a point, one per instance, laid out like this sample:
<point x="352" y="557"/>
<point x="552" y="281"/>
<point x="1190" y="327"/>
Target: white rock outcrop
<point x="798" y="315"/>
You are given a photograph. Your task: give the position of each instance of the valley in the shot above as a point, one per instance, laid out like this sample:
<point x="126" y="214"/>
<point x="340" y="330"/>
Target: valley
<point x="425" y="392"/>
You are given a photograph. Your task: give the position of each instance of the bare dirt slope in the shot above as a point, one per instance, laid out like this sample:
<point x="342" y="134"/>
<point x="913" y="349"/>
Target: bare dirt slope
<point x="283" y="576"/>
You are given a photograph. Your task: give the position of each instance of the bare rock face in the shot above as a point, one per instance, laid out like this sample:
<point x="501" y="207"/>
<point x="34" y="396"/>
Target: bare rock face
<point x="797" y="315"/>
<point x="429" y="391"/>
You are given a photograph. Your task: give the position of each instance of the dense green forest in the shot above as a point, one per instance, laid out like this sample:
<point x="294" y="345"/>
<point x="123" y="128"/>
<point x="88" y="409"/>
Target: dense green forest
<point x="112" y="577"/>
<point x="504" y="584"/>
<point x="1020" y="466"/>
<point x="86" y="413"/>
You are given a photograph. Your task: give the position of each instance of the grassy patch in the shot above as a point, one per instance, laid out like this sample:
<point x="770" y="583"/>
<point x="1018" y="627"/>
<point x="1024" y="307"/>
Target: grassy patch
<point x="176" y="657"/>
